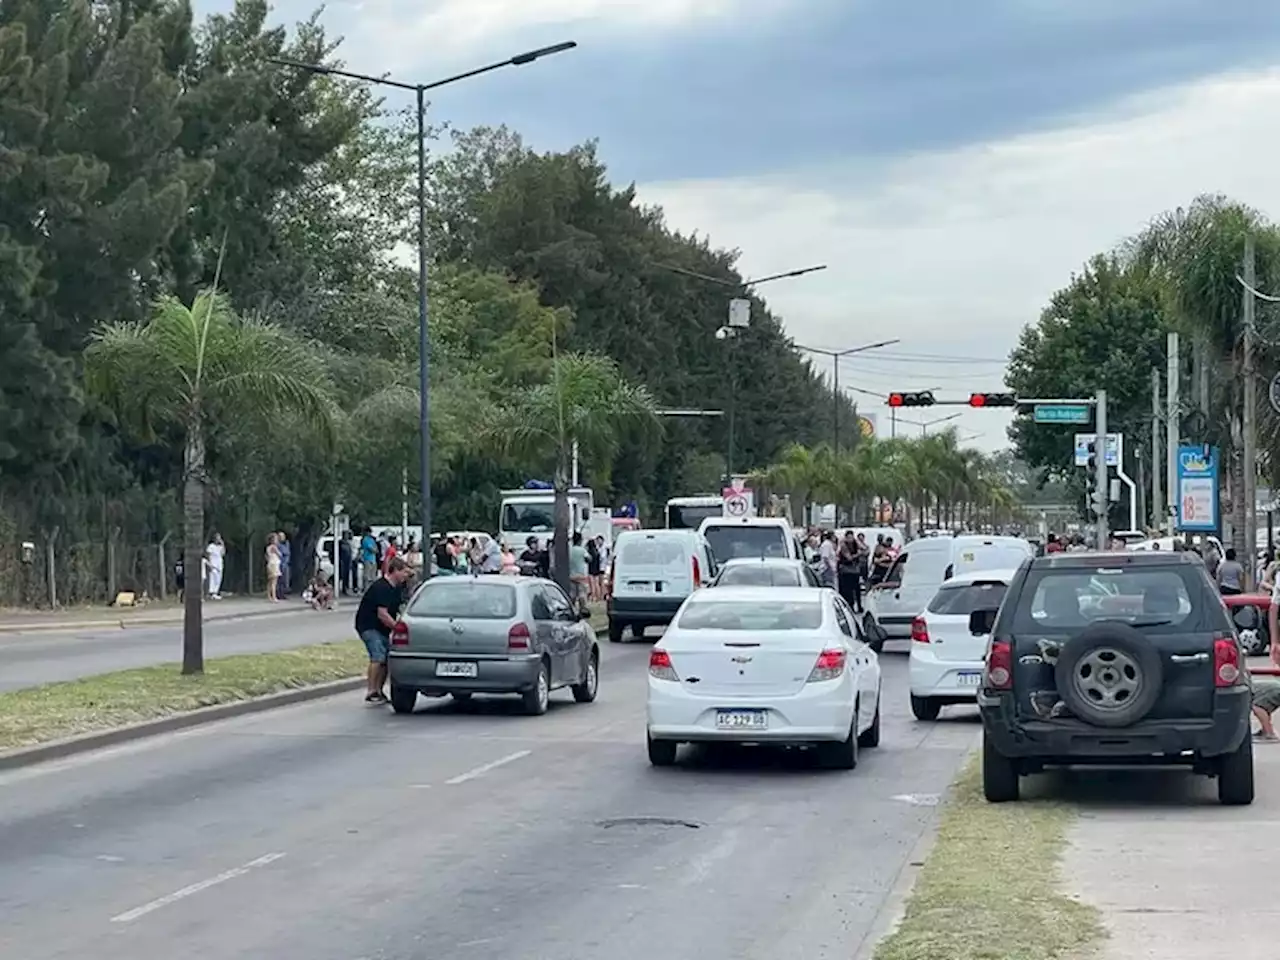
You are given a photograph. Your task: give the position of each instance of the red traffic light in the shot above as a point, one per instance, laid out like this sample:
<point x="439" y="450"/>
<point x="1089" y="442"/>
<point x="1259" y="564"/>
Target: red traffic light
<point x="992" y="400"/>
<point x="896" y="400"/>
<point x="977" y="399"/>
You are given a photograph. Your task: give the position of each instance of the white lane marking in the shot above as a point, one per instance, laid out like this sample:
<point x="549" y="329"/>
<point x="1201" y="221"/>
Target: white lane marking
<point x="481" y="770"/>
<point x="130" y="915"/>
<point x="919" y="799"/>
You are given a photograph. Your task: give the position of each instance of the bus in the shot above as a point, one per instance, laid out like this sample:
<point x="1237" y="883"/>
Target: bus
<point x="687" y="513"/>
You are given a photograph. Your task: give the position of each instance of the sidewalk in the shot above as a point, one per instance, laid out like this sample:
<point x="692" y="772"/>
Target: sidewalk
<point x="1175" y="875"/>
<point x="152" y="614"/>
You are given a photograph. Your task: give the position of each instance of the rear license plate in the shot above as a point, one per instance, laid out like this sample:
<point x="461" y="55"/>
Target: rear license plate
<point x="640" y="586"/>
<point x="455" y="669"/>
<point x="972" y="679"/>
<point x="742" y="720"/>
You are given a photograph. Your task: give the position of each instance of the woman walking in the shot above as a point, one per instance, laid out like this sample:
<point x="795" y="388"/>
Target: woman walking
<point x="273" y="567"/>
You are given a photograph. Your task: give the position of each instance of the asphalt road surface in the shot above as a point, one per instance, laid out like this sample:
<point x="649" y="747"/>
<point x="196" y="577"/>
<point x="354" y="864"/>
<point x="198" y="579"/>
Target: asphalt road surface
<point x="33" y="658"/>
<point x="336" y="831"/>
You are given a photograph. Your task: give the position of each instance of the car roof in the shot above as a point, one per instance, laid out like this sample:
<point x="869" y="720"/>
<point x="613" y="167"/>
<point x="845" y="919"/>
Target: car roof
<point x="642" y="534"/>
<point x="971" y="576"/>
<point x="767" y="561"/>
<point x="1116" y="558"/>
<point x="748" y="594"/>
<point x="781" y="522"/>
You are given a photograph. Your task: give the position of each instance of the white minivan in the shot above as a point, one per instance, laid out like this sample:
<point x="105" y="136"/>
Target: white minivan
<point x="925" y="564"/>
<point x="732" y="538"/>
<point x="651" y="574"/>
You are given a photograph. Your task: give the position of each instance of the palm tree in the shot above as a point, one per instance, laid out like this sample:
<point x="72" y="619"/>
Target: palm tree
<point x="586" y="402"/>
<point x="187" y="370"/>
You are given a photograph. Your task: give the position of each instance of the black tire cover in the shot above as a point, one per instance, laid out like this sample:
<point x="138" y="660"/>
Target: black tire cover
<point x="1126" y="639"/>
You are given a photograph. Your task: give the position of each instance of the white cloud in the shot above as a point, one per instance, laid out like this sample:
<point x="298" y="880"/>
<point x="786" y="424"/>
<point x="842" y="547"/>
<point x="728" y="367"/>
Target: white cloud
<point x="955" y="252"/>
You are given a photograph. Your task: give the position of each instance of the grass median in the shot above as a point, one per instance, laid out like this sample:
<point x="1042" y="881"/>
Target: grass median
<point x="990" y="889"/>
<point x="56" y="710"/>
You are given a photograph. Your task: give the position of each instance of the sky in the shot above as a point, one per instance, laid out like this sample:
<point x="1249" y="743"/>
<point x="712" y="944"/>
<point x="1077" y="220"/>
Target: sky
<point x="952" y="163"/>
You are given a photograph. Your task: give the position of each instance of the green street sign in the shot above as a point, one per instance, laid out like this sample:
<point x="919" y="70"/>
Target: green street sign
<point x="1062" y="413"/>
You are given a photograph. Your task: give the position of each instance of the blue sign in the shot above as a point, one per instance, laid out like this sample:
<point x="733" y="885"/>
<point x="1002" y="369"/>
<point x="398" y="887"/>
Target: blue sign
<point x="1062" y="413"/>
<point x="1197" y="489"/>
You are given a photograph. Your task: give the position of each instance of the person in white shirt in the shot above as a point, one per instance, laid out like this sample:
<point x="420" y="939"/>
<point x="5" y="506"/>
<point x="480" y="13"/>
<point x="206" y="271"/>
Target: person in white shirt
<point x="213" y="558"/>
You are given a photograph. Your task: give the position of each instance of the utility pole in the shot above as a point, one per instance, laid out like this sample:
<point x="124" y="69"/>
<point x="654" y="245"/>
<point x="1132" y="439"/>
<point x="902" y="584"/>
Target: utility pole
<point x="1157" y="496"/>
<point x="1173" y="433"/>
<point x="1100" y="447"/>
<point x="1248" y="493"/>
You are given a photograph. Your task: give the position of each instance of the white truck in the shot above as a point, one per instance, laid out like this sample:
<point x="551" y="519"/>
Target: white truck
<point x="531" y="513"/>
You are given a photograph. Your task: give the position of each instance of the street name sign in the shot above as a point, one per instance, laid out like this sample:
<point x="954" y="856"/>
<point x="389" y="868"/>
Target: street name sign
<point x="1062" y="413"/>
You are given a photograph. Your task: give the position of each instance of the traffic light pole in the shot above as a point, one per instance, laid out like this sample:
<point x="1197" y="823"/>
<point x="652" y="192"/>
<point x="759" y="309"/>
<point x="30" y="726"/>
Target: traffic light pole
<point x="1101" y="495"/>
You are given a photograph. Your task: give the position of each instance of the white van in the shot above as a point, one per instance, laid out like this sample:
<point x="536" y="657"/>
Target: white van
<point x="925" y="564"/>
<point x="651" y="574"/>
<point x="735" y="537"/>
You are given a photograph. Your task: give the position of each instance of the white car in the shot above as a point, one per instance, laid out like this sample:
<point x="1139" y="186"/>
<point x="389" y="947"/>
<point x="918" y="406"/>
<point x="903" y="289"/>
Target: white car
<point x="787" y="665"/>
<point x="946" y="661"/>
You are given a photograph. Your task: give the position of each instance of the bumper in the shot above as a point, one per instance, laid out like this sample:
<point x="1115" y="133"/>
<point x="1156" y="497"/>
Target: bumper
<point x="930" y="677"/>
<point x="814" y="715"/>
<point x="1072" y="741"/>
<point x="493" y="674"/>
<point x="653" y="611"/>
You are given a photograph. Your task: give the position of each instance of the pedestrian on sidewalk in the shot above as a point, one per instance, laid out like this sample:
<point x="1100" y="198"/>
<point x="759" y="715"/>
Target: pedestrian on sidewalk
<point x="273" y="568"/>
<point x="345" y="567"/>
<point x="368" y="558"/>
<point x="376" y="618"/>
<point x="214" y="555"/>
<point x="286" y="565"/>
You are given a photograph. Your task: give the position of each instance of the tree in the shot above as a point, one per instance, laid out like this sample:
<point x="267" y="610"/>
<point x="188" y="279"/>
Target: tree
<point x="190" y="371"/>
<point x="586" y="402"/>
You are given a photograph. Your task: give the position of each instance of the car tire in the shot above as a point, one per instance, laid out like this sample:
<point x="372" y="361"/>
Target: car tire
<point x="615" y="630"/>
<point x="403" y="699"/>
<point x="1120" y="640"/>
<point x="871" y="736"/>
<point x="925" y="708"/>
<point x="585" y="692"/>
<point x="844" y="754"/>
<point x="1235" y="775"/>
<point x="637" y="631"/>
<point x="1000" y="780"/>
<point x="538" y="697"/>
<point x="662" y="753"/>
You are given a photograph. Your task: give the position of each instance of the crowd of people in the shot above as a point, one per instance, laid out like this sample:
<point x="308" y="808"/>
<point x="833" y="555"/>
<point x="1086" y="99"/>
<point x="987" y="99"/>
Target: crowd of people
<point x="848" y="563"/>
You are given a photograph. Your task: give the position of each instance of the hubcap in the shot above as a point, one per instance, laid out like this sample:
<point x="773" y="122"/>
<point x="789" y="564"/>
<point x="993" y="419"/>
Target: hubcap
<point x="544" y="689"/>
<point x="592" y="679"/>
<point x="1107" y="678"/>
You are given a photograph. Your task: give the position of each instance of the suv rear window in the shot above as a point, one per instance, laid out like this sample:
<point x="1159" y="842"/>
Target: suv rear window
<point x="758" y="615"/>
<point x="652" y="552"/>
<point x="1174" y="599"/>
<point x="730" y="541"/>
<point x="961" y="599"/>
<point x="465" y="599"/>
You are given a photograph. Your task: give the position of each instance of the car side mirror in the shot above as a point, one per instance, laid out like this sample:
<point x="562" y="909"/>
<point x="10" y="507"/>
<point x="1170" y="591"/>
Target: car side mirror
<point x="981" y="622"/>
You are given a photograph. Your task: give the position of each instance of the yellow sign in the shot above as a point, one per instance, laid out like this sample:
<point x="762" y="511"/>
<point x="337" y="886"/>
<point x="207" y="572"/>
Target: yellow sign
<point x="866" y="427"/>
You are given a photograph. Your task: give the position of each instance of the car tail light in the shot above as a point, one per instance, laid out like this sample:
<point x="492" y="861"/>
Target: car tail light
<point x="830" y="666"/>
<point x="999" y="672"/>
<point x="660" y="665"/>
<point x="400" y="634"/>
<point x="919" y="630"/>
<point x="1226" y="662"/>
<point x="518" y="637"/>
<point x="697" y="574"/>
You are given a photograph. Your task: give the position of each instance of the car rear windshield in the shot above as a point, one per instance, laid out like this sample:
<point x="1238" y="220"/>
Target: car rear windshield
<point x="731" y="541"/>
<point x="961" y="599"/>
<point x="653" y="551"/>
<point x="1172" y="599"/>
<point x="764" y="575"/>
<point x="753" y="615"/>
<point x="466" y="599"/>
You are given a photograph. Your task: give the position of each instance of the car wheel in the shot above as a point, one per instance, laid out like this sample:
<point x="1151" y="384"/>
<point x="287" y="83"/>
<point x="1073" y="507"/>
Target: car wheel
<point x="842" y="755"/>
<point x="871" y="736"/>
<point x="403" y="699"/>
<point x="585" y="692"/>
<point x="1000" y="781"/>
<point x="538" y="697"/>
<point x="1109" y="675"/>
<point x="1235" y="775"/>
<point x="615" y="630"/>
<point x="637" y="631"/>
<point x="662" y="753"/>
<point x="925" y="708"/>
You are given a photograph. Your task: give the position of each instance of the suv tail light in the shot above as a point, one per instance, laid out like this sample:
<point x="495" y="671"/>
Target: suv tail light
<point x="660" y="665"/>
<point x="999" y="670"/>
<point x="400" y="634"/>
<point x="1226" y="662"/>
<point x="518" y="637"/>
<point x="697" y="574"/>
<point x="919" y="630"/>
<point x="830" y="666"/>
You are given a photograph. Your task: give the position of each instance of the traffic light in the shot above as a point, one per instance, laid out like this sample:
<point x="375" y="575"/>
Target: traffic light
<point x="920" y="398"/>
<point x="992" y="400"/>
<point x="1092" y="448"/>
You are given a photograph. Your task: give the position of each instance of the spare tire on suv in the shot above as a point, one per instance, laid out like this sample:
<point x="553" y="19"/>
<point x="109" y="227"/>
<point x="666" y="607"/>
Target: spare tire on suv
<point x="1109" y="674"/>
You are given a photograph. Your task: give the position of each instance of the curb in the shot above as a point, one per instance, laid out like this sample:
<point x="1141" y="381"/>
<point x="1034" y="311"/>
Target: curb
<point x="70" y="746"/>
<point x="127" y="623"/>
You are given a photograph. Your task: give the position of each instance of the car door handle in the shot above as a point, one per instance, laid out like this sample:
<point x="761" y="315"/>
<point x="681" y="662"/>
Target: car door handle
<point x="1189" y="657"/>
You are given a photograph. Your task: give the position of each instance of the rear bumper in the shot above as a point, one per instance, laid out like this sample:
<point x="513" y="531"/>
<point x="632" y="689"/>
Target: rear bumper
<point x="814" y="715"/>
<point x="896" y="626"/>
<point x="1149" y="741"/>
<point x="653" y="611"/>
<point x="493" y="674"/>
<point x="931" y="677"/>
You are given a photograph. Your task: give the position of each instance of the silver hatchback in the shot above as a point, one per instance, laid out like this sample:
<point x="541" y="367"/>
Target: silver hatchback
<point x="492" y="634"/>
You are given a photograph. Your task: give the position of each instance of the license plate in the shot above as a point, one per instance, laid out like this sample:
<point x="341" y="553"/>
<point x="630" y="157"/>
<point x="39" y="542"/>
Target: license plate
<point x="639" y="586"/>
<point x="742" y="719"/>
<point x="455" y="669"/>
<point x="969" y="679"/>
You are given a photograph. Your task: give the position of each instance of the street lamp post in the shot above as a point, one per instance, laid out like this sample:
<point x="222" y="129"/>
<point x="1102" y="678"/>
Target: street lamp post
<point x="424" y="342"/>
<point x="836" y="356"/>
<point x="924" y="427"/>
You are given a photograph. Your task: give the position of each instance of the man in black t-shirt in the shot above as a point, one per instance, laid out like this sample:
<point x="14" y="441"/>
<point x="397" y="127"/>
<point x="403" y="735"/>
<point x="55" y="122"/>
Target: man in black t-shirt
<point x="375" y="619"/>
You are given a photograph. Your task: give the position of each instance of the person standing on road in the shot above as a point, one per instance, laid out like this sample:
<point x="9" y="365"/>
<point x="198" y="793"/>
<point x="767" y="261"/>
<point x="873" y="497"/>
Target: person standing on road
<point x="214" y="554"/>
<point x="1230" y="574"/>
<point x="376" y="618"/>
<point x="286" y="565"/>
<point x="389" y="554"/>
<point x="345" y="571"/>
<point x="368" y="559"/>
<point x="827" y="555"/>
<point x="273" y="568"/>
<point x="849" y="571"/>
<point x="578" y="575"/>
<point x="491" y="557"/>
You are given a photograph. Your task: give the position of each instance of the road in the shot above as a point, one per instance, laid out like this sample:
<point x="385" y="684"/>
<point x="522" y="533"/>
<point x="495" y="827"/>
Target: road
<point x="335" y="830"/>
<point x="34" y="658"/>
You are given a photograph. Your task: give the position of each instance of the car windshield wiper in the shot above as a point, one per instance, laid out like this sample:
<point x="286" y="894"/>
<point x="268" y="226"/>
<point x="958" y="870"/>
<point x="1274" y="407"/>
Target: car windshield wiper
<point x="1149" y="623"/>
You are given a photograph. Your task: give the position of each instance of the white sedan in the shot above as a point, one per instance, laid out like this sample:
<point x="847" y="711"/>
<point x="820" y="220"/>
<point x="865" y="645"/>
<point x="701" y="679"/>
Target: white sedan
<point x="786" y="665"/>
<point x="946" y="661"/>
